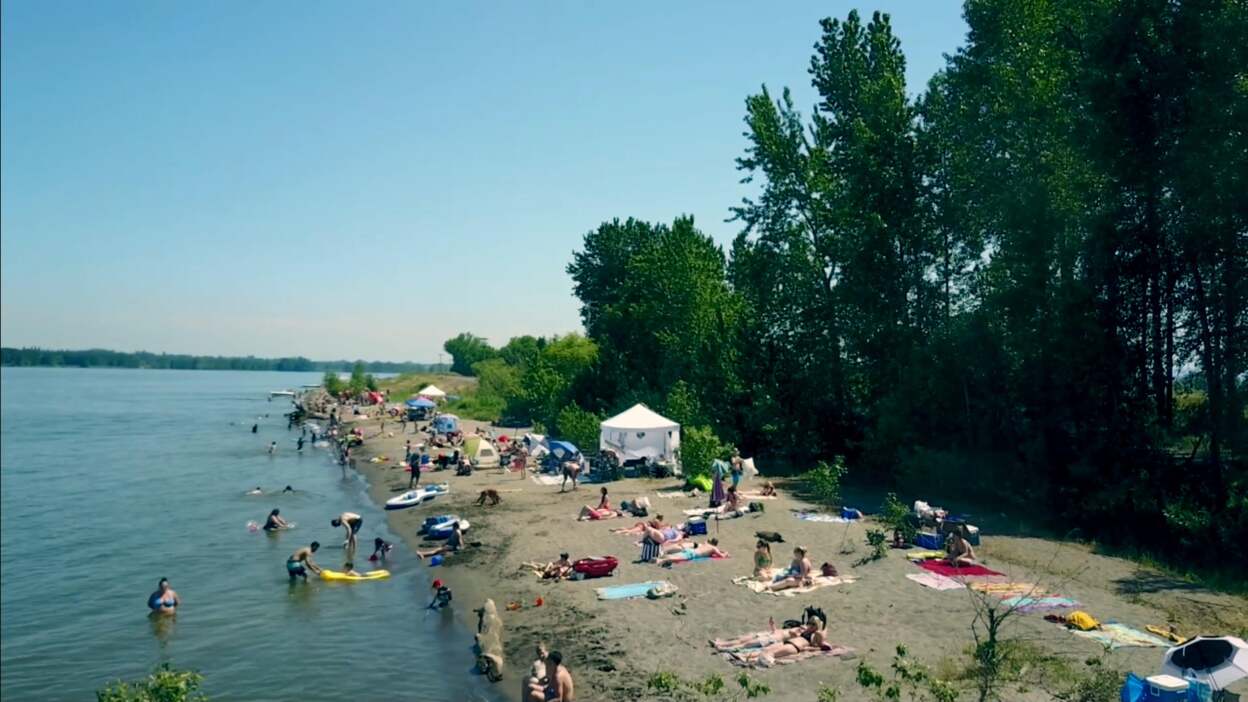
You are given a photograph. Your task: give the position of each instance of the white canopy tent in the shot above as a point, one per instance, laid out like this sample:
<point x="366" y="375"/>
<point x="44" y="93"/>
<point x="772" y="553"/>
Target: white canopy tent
<point x="432" y="392"/>
<point x="640" y="432"/>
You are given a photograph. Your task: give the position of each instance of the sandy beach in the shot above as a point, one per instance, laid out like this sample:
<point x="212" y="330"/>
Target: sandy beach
<point x="613" y="647"/>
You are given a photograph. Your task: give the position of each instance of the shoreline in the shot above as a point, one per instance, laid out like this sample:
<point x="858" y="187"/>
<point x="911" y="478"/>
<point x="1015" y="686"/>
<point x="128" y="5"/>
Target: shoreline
<point x="613" y="647"/>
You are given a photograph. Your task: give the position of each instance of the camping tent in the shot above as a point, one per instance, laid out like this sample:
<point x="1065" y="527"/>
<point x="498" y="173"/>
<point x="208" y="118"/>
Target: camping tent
<point x="445" y="423"/>
<point x="481" y="452"/>
<point x="640" y="432"/>
<point x="563" y="450"/>
<point x="432" y="391"/>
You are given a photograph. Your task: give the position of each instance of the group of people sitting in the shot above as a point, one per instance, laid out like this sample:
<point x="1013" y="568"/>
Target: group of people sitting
<point x="800" y="573"/>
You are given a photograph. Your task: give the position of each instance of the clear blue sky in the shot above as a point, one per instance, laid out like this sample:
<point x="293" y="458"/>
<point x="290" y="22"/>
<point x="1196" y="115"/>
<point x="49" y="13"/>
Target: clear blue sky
<point x="343" y="180"/>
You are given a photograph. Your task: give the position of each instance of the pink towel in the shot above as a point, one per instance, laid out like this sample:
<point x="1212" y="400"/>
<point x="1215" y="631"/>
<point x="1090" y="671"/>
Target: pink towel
<point x="947" y="570"/>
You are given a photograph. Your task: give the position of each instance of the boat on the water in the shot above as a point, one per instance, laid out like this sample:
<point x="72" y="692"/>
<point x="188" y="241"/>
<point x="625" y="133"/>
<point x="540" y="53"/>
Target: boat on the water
<point x="282" y="393"/>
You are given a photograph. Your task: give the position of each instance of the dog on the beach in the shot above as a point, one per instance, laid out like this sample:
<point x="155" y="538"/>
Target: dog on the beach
<point x="770" y="536"/>
<point x="489" y="495"/>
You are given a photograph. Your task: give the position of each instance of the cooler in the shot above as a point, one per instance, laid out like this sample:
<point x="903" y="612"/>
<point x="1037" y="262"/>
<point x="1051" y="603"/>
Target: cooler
<point x="929" y="541"/>
<point x="1165" y="688"/>
<point x="696" y="526"/>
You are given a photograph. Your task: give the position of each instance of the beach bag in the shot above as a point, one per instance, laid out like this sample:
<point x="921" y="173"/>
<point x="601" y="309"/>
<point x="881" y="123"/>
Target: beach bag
<point x="828" y="570"/>
<point x="595" y="567"/>
<point x="756" y="507"/>
<point x="1082" y="621"/>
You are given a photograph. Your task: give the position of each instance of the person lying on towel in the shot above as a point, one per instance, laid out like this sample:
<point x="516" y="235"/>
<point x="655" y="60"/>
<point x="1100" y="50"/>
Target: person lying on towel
<point x="809" y="637"/>
<point x="602" y="511"/>
<point x="958" y="551"/>
<point x="707" y="550"/>
<point x="554" y="570"/>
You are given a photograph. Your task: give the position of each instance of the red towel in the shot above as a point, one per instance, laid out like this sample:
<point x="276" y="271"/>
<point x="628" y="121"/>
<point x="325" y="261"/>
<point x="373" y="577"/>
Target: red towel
<point x="954" y="572"/>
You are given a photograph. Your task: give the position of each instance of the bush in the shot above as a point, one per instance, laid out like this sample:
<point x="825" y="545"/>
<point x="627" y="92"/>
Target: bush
<point x="579" y="427"/>
<point x="699" y="446"/>
<point x="824" y="482"/>
<point x="163" y="685"/>
<point x="897" y="516"/>
<point x="333" y="384"/>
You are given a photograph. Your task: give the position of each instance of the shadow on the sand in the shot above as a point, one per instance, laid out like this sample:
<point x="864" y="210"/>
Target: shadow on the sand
<point x="1144" y="582"/>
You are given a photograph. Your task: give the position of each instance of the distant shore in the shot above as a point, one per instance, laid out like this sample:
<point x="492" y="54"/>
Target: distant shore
<point x="34" y="357"/>
<point x="614" y="647"/>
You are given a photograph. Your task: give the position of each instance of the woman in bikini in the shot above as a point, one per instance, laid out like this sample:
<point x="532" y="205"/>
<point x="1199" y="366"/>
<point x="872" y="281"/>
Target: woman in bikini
<point x="798" y="573"/>
<point x="165" y="600"/>
<point x="762" y="559"/>
<point x="602" y="511"/>
<point x="960" y="553"/>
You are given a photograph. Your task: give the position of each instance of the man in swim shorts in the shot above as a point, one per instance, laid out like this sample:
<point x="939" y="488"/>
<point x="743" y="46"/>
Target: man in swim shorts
<point x="556" y="686"/>
<point x="300" y="562"/>
<point x="352" y="523"/>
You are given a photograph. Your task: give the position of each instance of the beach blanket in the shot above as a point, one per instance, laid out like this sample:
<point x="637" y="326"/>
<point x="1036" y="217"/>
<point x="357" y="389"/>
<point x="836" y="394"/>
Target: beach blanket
<point x="1114" y="635"/>
<point x="1038" y="603"/>
<point x="820" y="581"/>
<point x="936" y="581"/>
<point x="690" y="558"/>
<point x="1010" y="589"/>
<point x="757" y="496"/>
<point x="919" y="555"/>
<point x="628" y="592"/>
<point x="820" y="517"/>
<point x="544" y="479"/>
<point x="954" y="571"/>
<point x="831" y="651"/>
<point x="671" y="494"/>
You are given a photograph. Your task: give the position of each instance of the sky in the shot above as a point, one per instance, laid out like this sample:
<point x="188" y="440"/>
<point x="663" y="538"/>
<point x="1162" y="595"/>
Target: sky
<point x="339" y="180"/>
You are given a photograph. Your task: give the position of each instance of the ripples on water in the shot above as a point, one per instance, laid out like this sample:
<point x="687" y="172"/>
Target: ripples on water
<point x="112" y="479"/>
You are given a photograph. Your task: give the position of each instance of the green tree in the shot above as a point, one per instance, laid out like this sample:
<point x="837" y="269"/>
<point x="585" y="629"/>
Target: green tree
<point x="333" y="384"/>
<point x="359" y="379"/>
<point x="578" y="426"/>
<point x="466" y="350"/>
<point x="699" y="446"/>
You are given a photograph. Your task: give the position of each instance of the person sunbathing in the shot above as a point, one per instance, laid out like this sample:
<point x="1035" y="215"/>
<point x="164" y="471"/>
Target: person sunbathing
<point x="762" y="559"/>
<point x="959" y="551"/>
<point x="758" y="639"/>
<point x="602" y="511"/>
<point x="639" y="529"/>
<point x="768" y="490"/>
<point x="554" y="570"/>
<point x="707" y="550"/>
<point x="810" y="636"/>
<point x="798" y="574"/>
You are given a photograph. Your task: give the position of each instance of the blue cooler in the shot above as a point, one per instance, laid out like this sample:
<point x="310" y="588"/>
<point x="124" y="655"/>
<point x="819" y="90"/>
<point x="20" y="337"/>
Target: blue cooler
<point x="929" y="541"/>
<point x="1165" y="688"/>
<point x="696" y="526"/>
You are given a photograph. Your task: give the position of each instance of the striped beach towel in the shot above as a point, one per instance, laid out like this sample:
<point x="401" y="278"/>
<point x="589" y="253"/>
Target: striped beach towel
<point x="649" y="551"/>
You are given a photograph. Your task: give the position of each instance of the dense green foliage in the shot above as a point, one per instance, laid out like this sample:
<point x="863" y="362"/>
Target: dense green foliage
<point x="164" y="685"/>
<point x="467" y="350"/>
<point x="1031" y="281"/>
<point x="101" y="358"/>
<point x="699" y="447"/>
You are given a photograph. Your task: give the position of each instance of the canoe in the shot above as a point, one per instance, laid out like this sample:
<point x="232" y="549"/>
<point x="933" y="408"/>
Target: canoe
<point x="411" y="498"/>
<point x="337" y="576"/>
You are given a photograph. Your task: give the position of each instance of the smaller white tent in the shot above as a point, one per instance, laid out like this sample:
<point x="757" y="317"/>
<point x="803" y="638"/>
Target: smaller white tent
<point x="432" y="391"/>
<point x="640" y="432"/>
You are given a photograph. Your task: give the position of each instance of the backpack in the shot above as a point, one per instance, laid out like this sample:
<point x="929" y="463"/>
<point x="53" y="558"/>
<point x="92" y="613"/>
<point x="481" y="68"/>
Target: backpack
<point x="756" y="507"/>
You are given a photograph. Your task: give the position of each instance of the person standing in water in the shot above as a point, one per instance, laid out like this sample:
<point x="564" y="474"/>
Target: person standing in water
<point x="272" y="447"/>
<point x="165" y="600"/>
<point x="300" y="562"/>
<point x="275" y="521"/>
<point x="352" y="523"/>
<point x="255" y="428"/>
<point x="556" y="686"/>
<point x="299" y="444"/>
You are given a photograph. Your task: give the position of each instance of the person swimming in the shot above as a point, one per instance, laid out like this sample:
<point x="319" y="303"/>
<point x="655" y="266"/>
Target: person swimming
<point x="275" y="521"/>
<point x="288" y="489"/>
<point x="256" y="491"/>
<point x="165" y="600"/>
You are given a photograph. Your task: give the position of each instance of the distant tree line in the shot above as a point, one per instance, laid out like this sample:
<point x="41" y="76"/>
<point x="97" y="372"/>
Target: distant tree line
<point x="102" y="358"/>
<point x="993" y="288"/>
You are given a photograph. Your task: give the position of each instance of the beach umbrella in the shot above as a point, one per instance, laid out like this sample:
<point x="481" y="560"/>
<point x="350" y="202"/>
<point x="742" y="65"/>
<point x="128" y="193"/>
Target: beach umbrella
<point x="563" y="447"/>
<point x="1216" y="660"/>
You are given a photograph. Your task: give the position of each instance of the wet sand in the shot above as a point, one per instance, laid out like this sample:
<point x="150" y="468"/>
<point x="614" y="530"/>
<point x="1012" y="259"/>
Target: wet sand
<point x="613" y="647"/>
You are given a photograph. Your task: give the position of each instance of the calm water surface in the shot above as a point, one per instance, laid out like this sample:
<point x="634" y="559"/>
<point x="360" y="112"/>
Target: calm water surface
<point x="111" y="479"/>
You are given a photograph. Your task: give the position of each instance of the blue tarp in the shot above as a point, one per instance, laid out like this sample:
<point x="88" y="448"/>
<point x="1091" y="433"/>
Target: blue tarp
<point x="421" y="402"/>
<point x="444" y="423"/>
<point x="564" y="448"/>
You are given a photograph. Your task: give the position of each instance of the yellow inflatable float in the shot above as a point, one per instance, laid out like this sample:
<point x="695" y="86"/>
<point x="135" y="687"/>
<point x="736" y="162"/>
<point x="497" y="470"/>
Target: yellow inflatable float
<point x="338" y="576"/>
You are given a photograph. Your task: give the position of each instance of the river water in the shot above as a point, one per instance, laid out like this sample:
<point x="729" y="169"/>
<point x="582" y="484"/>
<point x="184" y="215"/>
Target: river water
<point x="111" y="479"/>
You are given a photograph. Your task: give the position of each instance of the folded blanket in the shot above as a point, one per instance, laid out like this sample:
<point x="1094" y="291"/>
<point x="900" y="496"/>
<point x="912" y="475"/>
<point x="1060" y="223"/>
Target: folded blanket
<point x="828" y="651"/>
<point x="1114" y="635"/>
<point x="936" y="581"/>
<point x="628" y="592"/>
<point x="956" y="572"/>
<point x="820" y="581"/>
<point x="819" y="517"/>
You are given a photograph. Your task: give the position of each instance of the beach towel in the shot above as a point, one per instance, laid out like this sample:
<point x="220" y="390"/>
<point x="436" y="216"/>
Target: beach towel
<point x="671" y="494"/>
<point x="690" y="558"/>
<point x="1038" y="603"/>
<point x="1011" y="589"/>
<point x="936" y="581"/>
<point x="649" y="551"/>
<point x="819" y="517"/>
<point x="954" y="571"/>
<point x="757" y="496"/>
<point x="1114" y="635"/>
<point x="831" y="651"/>
<point x="544" y="479"/>
<point x="820" y="581"/>
<point x="920" y="555"/>
<point x="629" y="592"/>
